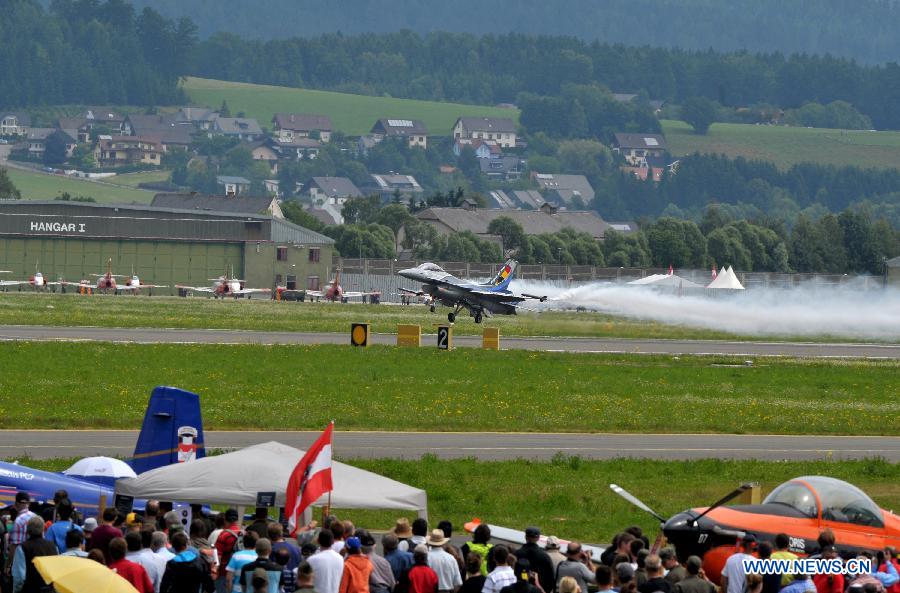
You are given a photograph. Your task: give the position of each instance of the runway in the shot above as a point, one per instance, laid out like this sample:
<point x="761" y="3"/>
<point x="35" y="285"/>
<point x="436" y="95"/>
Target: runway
<point x="549" y="344"/>
<point x="41" y="444"/>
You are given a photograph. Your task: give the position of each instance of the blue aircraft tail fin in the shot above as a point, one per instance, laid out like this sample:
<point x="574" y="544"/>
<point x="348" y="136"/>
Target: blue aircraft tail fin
<point x="172" y="431"/>
<point x="504" y="276"/>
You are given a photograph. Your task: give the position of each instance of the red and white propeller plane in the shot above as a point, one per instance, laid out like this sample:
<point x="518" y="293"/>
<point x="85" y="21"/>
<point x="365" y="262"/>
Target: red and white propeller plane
<point x="225" y="286"/>
<point x="107" y="282"/>
<point x="334" y="292"/>
<point x="37" y="281"/>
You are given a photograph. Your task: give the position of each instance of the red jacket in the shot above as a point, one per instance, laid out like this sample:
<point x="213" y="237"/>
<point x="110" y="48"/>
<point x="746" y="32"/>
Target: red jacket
<point x="134" y="573"/>
<point x="422" y="579"/>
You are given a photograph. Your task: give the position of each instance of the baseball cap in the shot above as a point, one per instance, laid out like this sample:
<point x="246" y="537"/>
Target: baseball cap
<point x="23" y="497"/>
<point x="90" y="524"/>
<point x="532" y="532"/>
<point x="352" y="543"/>
<point x="231" y="515"/>
<point x="749" y="539"/>
<point x="552" y="543"/>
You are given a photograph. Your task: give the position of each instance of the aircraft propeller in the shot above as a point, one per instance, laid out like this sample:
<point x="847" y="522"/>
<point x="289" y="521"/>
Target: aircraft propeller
<point x="636" y="502"/>
<point x="693" y="521"/>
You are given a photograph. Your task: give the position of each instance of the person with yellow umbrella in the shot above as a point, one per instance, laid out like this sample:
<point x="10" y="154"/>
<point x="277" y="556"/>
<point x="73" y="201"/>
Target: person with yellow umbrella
<point x="71" y="574"/>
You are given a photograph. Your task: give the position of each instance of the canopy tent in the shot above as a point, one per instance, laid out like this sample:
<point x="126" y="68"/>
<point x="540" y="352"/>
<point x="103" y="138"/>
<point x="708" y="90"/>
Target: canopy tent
<point x="235" y="479"/>
<point x="726" y="279"/>
<point x="671" y="280"/>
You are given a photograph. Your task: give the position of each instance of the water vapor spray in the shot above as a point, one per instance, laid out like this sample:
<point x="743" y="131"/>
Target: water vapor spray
<point x="848" y="311"/>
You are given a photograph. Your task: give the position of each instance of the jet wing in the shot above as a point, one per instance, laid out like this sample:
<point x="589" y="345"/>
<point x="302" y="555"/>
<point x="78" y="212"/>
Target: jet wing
<point x="356" y="295"/>
<point x="141" y="286"/>
<point x="14" y="282"/>
<point x="412" y="292"/>
<point x="315" y="293"/>
<point x="196" y="288"/>
<point x="250" y="291"/>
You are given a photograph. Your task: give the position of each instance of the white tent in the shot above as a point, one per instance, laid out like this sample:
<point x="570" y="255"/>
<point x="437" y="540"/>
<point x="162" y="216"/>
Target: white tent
<point x="664" y="280"/>
<point x="726" y="279"/>
<point x="235" y="478"/>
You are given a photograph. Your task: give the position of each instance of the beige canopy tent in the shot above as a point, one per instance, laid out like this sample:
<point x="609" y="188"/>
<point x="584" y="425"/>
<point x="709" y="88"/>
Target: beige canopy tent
<point x="234" y="479"/>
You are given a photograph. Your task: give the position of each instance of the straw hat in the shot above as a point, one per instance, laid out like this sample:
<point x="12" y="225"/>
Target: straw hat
<point x="437" y="538"/>
<point x="402" y="529"/>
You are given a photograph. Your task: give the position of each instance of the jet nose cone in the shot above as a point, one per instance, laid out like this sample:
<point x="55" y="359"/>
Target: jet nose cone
<point x="408" y="273"/>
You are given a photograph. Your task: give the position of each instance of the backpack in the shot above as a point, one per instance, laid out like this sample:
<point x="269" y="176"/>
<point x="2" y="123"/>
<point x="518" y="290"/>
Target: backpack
<point x="228" y="551"/>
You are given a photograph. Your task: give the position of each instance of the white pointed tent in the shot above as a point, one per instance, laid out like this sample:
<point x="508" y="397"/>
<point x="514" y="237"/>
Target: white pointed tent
<point x="664" y="280"/>
<point x="235" y="478"/>
<point x="727" y="280"/>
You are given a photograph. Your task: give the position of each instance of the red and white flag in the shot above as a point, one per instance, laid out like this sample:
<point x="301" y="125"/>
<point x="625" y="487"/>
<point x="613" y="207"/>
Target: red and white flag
<point x="309" y="480"/>
<point x="671" y="271"/>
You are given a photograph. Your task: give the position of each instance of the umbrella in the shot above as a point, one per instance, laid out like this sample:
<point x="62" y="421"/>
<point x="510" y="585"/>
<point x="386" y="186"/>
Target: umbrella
<point x="103" y="470"/>
<point x="70" y="574"/>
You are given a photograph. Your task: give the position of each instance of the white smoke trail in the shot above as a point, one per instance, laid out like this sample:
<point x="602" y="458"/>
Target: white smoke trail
<point x="846" y="312"/>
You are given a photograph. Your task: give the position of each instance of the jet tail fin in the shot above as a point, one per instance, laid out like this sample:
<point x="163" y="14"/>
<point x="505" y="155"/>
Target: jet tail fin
<point x="505" y="275"/>
<point x="172" y="431"/>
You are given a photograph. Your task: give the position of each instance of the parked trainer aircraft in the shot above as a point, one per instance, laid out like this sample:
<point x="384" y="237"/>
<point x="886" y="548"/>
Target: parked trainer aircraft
<point x="334" y="292"/>
<point x="37" y="281"/>
<point x="800" y="508"/>
<point x="224" y="286"/>
<point x="172" y="432"/>
<point x="478" y="299"/>
<point x="135" y="286"/>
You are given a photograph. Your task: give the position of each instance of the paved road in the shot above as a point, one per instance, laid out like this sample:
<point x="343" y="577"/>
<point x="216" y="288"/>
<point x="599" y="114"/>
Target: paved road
<point x="412" y="445"/>
<point x="641" y="346"/>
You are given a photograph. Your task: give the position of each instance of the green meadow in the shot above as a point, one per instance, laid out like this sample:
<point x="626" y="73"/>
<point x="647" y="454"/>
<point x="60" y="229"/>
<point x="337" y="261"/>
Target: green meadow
<point x="787" y="146"/>
<point x="351" y="114"/>
<point x="106" y="385"/>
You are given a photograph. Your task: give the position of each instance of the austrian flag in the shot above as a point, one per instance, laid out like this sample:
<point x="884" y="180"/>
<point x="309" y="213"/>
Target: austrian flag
<point x="309" y="480"/>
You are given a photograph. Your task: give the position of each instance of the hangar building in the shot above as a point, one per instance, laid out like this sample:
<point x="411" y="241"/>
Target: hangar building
<point x="73" y="240"/>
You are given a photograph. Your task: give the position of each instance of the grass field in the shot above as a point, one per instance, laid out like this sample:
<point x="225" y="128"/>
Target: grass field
<point x="98" y="385"/>
<point x="786" y="146"/>
<point x="133" y="179"/>
<point x="262" y="314"/>
<point x="39" y="186"/>
<point x="570" y="497"/>
<point x="351" y="114"/>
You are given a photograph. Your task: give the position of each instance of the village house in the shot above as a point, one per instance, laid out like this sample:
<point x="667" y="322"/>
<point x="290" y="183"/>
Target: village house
<point x="289" y="127"/>
<point x="563" y="190"/>
<point x="387" y="186"/>
<point x="332" y="190"/>
<point x="115" y="151"/>
<point x="36" y="141"/>
<point x="14" y="123"/>
<point x="262" y="150"/>
<point x="505" y="168"/>
<point x="243" y="128"/>
<point x="100" y="116"/>
<point x="546" y="219"/>
<point x="168" y="129"/>
<point x="232" y="185"/>
<point x="500" y="129"/>
<point x="233" y="204"/>
<point x="484" y="149"/>
<point x="637" y="147"/>
<point x="200" y="117"/>
<point x="413" y="130"/>
<point x="526" y="199"/>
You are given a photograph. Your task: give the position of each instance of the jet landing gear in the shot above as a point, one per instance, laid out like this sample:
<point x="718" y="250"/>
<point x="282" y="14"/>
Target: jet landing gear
<point x="451" y="317"/>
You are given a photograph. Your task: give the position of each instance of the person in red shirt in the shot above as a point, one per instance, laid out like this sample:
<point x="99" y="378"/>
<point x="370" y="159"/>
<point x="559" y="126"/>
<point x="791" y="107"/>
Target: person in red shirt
<point x="422" y="579"/>
<point x="829" y="583"/>
<point x="890" y="556"/>
<point x="132" y="572"/>
<point x="105" y="533"/>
